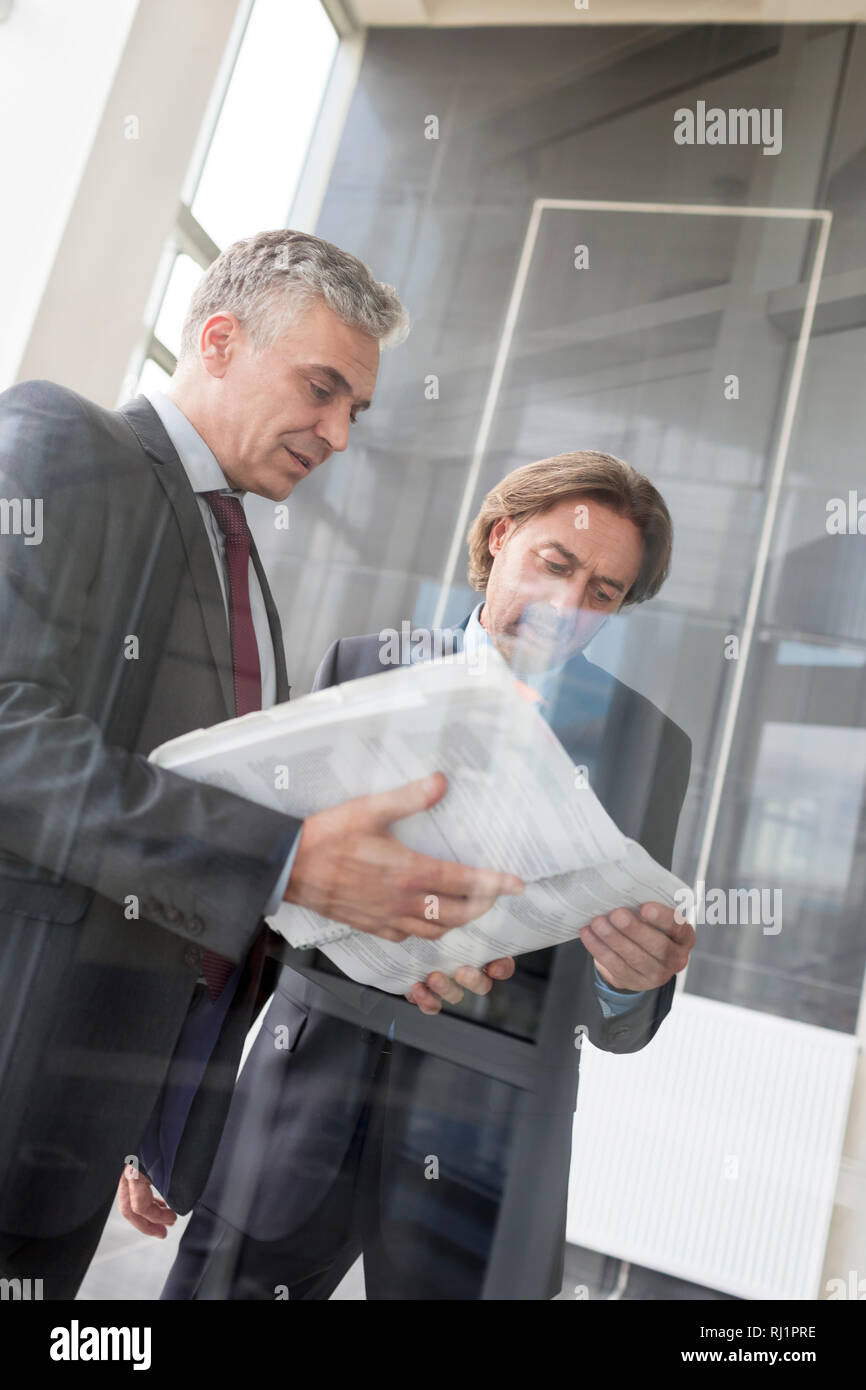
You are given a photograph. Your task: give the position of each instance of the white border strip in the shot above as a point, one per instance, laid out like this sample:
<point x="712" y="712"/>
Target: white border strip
<point x="774" y="488"/>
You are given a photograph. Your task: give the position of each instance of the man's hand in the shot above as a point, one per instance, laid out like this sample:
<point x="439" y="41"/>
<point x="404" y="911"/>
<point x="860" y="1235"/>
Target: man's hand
<point x="350" y="868"/>
<point x="439" y="986"/>
<point x="638" y="952"/>
<point x="140" y="1205"/>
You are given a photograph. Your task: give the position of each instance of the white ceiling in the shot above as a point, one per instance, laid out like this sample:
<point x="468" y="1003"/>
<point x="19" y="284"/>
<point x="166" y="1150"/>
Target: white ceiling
<point x="474" y="12"/>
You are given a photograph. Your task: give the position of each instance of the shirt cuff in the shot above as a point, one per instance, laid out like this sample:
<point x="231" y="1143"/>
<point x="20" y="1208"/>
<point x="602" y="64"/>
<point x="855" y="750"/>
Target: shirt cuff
<point x="273" y="903"/>
<point x="613" y="1001"/>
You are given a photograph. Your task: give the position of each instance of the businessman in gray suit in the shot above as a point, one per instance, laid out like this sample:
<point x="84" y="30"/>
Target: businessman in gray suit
<point x="327" y="1149"/>
<point x="133" y="608"/>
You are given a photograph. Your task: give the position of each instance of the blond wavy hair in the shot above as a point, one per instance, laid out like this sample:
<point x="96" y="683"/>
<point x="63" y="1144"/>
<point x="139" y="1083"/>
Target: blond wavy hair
<point x="536" y="487"/>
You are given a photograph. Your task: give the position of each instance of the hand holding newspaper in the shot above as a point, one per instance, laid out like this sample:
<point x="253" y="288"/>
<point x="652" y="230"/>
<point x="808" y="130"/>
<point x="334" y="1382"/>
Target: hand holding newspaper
<point x="514" y="803"/>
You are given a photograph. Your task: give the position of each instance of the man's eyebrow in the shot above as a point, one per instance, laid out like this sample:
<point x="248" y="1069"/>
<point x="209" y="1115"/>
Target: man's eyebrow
<point x="574" y="560"/>
<point x="338" y="381"/>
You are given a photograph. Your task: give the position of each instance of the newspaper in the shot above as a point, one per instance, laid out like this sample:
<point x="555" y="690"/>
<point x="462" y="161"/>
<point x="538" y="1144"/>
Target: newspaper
<point x="514" y="802"/>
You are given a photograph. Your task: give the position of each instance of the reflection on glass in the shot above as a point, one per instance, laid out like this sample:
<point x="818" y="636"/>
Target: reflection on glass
<point x="633" y="349"/>
<point x="804" y="806"/>
<point x="264" y="128"/>
<point x="813" y="654"/>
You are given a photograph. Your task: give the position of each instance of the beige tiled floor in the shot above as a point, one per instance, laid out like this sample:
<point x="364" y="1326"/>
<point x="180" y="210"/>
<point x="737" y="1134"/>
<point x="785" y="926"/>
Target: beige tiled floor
<point x="129" y="1266"/>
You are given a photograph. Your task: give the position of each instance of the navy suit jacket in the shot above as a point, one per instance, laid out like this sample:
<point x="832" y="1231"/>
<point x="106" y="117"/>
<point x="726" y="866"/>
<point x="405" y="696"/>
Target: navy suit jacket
<point x="305" y="1081"/>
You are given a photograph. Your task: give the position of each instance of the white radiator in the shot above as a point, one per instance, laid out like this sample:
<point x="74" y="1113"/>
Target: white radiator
<point x="713" y="1153"/>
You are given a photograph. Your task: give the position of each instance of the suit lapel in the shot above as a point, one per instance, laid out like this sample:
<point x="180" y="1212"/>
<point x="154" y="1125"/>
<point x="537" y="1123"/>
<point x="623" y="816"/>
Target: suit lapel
<point x="144" y="421"/>
<point x="283" y="687"/>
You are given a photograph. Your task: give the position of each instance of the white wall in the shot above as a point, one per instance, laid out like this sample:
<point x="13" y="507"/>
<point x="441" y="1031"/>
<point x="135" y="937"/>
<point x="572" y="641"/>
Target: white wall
<point x="90" y="316"/>
<point x="57" y="62"/>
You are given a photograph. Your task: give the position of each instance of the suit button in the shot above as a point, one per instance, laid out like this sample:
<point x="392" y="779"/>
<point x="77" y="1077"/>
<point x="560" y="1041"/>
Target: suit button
<point x="172" y="914"/>
<point x="193" y="957"/>
<point x="195" y="926"/>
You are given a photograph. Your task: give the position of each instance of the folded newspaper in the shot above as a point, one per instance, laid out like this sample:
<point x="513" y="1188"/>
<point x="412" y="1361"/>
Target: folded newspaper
<point x="515" y="802"/>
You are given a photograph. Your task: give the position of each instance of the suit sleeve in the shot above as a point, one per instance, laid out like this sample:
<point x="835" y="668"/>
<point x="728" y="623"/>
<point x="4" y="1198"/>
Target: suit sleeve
<point x="326" y="673"/>
<point x="632" y="1028"/>
<point x="201" y="860"/>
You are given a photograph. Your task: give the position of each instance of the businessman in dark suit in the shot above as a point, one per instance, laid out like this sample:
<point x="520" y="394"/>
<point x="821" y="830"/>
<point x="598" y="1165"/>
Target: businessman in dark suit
<point x="133" y="608"/>
<point x="327" y="1149"/>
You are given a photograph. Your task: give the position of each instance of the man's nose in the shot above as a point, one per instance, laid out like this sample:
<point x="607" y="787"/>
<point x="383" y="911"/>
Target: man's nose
<point x="568" y="599"/>
<point x="333" y="428"/>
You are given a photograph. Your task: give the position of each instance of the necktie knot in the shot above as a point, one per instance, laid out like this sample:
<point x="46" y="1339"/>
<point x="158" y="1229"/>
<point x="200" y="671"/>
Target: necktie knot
<point x="229" y="515"/>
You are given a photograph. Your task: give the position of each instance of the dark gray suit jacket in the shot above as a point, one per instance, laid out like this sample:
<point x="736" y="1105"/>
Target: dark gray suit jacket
<point x="92" y="999"/>
<point x="304" y="1084"/>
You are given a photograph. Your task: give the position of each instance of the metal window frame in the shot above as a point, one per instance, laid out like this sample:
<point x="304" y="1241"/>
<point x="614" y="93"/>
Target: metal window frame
<point x="188" y="236"/>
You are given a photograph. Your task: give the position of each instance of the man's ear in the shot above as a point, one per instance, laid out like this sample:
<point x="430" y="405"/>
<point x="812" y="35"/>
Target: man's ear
<point x="498" y="533"/>
<point x="218" y="337"/>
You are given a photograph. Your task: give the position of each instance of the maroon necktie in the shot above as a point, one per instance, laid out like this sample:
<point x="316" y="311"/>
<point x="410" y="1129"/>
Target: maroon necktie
<point x="245" y="659"/>
<point x="245" y="652"/>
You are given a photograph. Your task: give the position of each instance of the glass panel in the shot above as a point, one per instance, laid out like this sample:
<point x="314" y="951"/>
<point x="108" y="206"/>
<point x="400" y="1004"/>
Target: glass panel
<point x="629" y="354"/>
<point x="791" y="826"/>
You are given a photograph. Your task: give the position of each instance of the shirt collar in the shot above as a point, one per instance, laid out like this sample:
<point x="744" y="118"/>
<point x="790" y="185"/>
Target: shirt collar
<point x="199" y="461"/>
<point x="476" y="636"/>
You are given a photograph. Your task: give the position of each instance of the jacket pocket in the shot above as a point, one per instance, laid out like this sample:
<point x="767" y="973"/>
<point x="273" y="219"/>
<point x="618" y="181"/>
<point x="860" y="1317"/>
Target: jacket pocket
<point x="293" y="986"/>
<point x="285" y="1021"/>
<point x="28" y="892"/>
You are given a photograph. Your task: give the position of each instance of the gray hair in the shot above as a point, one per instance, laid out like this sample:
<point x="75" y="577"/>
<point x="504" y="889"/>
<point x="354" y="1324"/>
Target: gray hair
<point x="268" y="281"/>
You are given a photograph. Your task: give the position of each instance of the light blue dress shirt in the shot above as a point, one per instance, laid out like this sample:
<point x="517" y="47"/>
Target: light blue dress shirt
<point x="612" y="1001"/>
<point x="205" y="475"/>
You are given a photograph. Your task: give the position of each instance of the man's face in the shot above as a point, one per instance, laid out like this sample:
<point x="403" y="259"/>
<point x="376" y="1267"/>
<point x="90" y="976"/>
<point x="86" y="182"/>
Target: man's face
<point x="271" y="417"/>
<point x="556" y="578"/>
